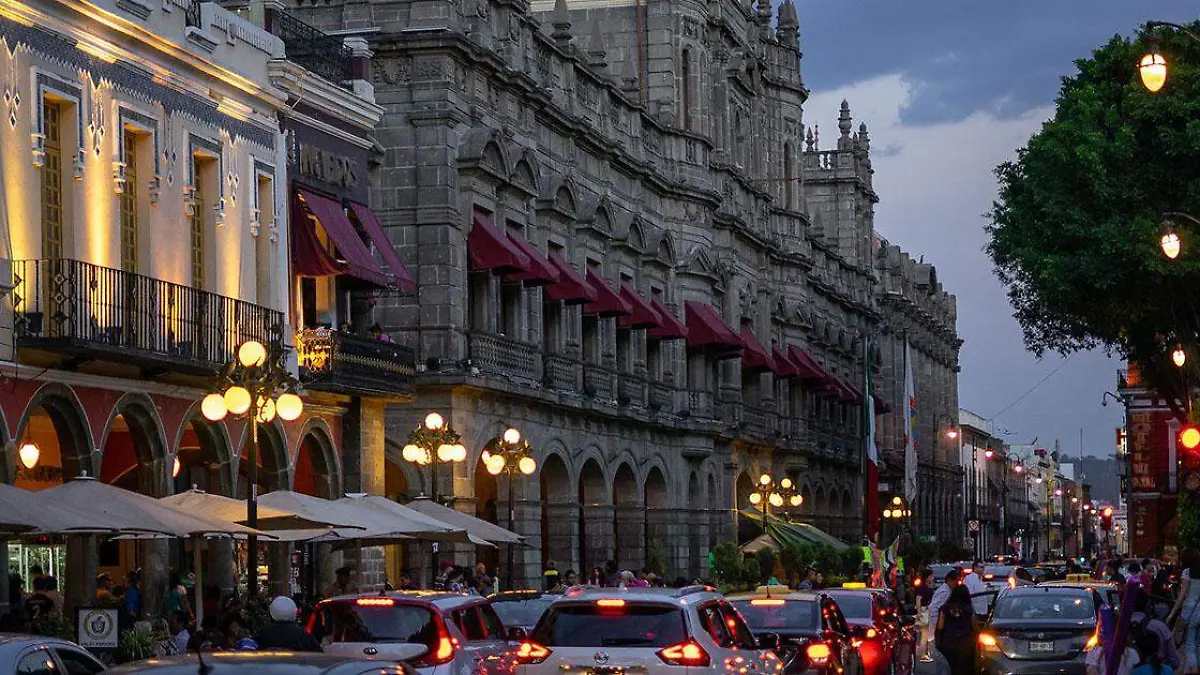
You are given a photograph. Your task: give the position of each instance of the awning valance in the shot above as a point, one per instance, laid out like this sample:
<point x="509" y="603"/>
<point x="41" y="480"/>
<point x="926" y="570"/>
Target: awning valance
<point x="706" y="329"/>
<point x="309" y="256"/>
<point x="783" y="365"/>
<point x="571" y="287"/>
<point x="671" y="327"/>
<point x="370" y="222"/>
<point x="607" y="303"/>
<point x="755" y="358"/>
<point x="643" y="316"/>
<point x="541" y="272"/>
<point x="809" y="368"/>
<point x="358" y="259"/>
<point x="489" y="249"/>
<point x="855" y="395"/>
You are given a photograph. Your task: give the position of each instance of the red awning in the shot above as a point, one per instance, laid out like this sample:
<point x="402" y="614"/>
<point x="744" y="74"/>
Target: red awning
<point x="607" y="303"/>
<point x="571" y="287"/>
<point x="881" y="406"/>
<point x="783" y="365"/>
<point x="489" y="249"/>
<point x="755" y="358"/>
<point x="541" y="272"/>
<point x="809" y="368"/>
<point x="359" y="261"/>
<point x="707" y="329"/>
<point x="309" y="257"/>
<point x="643" y="316"/>
<point x="856" y="396"/>
<point x="671" y="327"/>
<point x="370" y="222"/>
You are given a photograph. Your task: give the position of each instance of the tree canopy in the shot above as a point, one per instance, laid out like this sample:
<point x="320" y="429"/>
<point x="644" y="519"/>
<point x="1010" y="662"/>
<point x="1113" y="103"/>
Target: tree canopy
<point x="1075" y="230"/>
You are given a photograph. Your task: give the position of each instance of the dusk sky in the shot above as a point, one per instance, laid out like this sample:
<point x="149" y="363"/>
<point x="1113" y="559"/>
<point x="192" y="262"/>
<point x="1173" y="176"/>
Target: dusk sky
<point x="949" y="89"/>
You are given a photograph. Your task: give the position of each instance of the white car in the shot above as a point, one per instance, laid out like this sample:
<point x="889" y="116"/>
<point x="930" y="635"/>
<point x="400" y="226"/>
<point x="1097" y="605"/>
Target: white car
<point x="648" y="631"/>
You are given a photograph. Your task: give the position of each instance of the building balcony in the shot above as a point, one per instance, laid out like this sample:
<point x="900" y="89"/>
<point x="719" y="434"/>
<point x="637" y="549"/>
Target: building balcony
<point x="662" y="398"/>
<point x="500" y="356"/>
<point x="352" y="364"/>
<point x="598" y="383"/>
<point x="92" y="313"/>
<point x="562" y="373"/>
<point x="632" y="390"/>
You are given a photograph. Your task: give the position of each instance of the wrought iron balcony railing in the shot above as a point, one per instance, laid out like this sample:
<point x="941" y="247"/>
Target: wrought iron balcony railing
<point x="344" y="362"/>
<point x="325" y="55"/>
<point x="91" y="312"/>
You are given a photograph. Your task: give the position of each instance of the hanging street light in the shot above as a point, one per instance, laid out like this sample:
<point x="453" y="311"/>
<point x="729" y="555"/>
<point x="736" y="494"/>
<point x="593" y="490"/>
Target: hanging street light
<point x="249" y="385"/>
<point x="29" y="454"/>
<point x="510" y="454"/>
<point x="1152" y="67"/>
<point x="1179" y="357"/>
<point x="1171" y="245"/>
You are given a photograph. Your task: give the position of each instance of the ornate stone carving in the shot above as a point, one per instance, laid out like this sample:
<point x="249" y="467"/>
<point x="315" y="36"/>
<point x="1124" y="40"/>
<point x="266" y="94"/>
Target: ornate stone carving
<point x="391" y="70"/>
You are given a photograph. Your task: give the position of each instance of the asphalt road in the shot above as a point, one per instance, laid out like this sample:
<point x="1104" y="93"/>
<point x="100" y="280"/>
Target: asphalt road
<point x="924" y="668"/>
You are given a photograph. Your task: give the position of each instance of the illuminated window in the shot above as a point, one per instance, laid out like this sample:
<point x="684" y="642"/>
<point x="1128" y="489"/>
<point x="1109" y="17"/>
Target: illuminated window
<point x="52" y="182"/>
<point x="129" y="206"/>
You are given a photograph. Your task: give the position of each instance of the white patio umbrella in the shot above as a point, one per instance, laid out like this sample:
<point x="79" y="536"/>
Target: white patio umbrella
<point x="22" y="511"/>
<point x="357" y="520"/>
<point x="480" y="529"/>
<point x="400" y="519"/>
<point x="234" y="510"/>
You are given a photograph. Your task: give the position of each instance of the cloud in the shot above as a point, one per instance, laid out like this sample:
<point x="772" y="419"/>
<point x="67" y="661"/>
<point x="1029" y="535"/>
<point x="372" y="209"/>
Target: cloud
<point x="935" y="182"/>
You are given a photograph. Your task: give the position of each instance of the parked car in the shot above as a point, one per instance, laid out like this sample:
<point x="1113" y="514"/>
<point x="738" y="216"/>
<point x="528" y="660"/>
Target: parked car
<point x="887" y="640"/>
<point x="255" y="663"/>
<point x="1038" y="629"/>
<point x="521" y="609"/>
<point x="437" y="633"/>
<point x="814" y="638"/>
<point x="38" y="654"/>
<point x="653" y="631"/>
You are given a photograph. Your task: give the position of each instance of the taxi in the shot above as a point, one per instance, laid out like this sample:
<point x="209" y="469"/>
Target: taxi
<point x="886" y="639"/>
<point x="813" y="636"/>
<point x="1110" y="592"/>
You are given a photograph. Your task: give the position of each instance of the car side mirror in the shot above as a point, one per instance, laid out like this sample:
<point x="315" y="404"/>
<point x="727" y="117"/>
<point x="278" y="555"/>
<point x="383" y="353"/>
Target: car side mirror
<point x="768" y="641"/>
<point x="517" y="634"/>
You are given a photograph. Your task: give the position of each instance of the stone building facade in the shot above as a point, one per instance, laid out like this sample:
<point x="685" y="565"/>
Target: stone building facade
<point x="628" y="245"/>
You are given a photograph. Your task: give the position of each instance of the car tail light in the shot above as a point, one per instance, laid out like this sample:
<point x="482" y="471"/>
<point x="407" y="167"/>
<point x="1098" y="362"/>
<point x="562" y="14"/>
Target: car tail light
<point x="688" y="653"/>
<point x="1093" y="641"/>
<point x="766" y="602"/>
<point x="818" y="653"/>
<point x="443" y="648"/>
<point x="531" y="653"/>
<point x="871" y="633"/>
<point x="375" y="602"/>
<point x="988" y="642"/>
<point x="610" y="603"/>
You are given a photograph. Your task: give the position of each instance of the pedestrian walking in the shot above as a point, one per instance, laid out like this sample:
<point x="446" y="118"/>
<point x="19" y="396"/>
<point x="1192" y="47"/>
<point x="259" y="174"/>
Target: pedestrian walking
<point x="342" y="584"/>
<point x="957" y="631"/>
<point x="133" y="595"/>
<point x="1187" y="604"/>
<point x="923" y="589"/>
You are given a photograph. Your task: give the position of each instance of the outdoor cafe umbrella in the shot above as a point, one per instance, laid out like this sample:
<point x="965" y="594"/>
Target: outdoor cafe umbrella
<point x="22" y="511"/>
<point x="234" y="510"/>
<point x="402" y="520"/>
<point x="479" y="529"/>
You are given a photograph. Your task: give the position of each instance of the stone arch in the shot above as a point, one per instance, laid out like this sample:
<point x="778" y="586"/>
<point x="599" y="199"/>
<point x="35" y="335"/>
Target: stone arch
<point x="635" y="238"/>
<point x="593" y="485"/>
<point x="625" y="486"/>
<point x="743" y="486"/>
<point x="402" y="479"/>
<point x="656" y="494"/>
<point x="316" y="456"/>
<point x="598" y="214"/>
<point x="525" y="173"/>
<point x="559" y="510"/>
<point x="699" y="261"/>
<point x="145" y="451"/>
<point x="560" y="195"/>
<point x="820" y="502"/>
<point x="655" y="462"/>
<point x="69" y="421"/>
<point x="554" y="474"/>
<point x="483" y="148"/>
<point x="595" y="515"/>
<point x="666" y="249"/>
<point x="208" y="464"/>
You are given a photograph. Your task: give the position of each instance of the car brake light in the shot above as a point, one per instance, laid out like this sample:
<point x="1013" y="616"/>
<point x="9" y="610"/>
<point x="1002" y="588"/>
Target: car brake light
<point x="375" y="602"/>
<point x="688" y="653"/>
<point x="766" y="602"/>
<point x="531" y="652"/>
<point x="988" y="642"/>
<point x="610" y="602"/>
<point x="1012" y="582"/>
<point x="818" y="653"/>
<point x="443" y="649"/>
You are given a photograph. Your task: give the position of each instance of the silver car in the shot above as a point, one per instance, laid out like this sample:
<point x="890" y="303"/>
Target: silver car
<point x="39" y="655"/>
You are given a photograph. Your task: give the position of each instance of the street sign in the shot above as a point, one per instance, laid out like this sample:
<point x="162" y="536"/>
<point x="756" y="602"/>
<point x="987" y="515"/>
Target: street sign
<point x="97" y="628"/>
<point x="973" y="525"/>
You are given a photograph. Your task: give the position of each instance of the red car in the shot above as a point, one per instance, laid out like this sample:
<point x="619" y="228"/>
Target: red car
<point x="887" y="640"/>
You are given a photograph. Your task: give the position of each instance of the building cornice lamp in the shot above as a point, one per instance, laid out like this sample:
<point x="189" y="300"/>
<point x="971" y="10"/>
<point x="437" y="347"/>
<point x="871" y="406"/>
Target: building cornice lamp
<point x="510" y="454"/>
<point x="258" y="386"/>
<point x="767" y="495"/>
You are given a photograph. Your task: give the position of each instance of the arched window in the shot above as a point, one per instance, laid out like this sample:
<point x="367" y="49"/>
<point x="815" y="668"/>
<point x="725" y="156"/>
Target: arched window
<point x="787" y="175"/>
<point x="685" y="77"/>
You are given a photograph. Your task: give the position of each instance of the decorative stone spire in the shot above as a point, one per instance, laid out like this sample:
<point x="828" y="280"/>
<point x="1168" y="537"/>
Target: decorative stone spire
<point x="764" y="15"/>
<point x="864" y="139"/>
<point x="629" y="83"/>
<point x="562" y="25"/>
<point x="810" y="144"/>
<point x="597" y="56"/>
<point x="789" y="25"/>
<point x="845" y="123"/>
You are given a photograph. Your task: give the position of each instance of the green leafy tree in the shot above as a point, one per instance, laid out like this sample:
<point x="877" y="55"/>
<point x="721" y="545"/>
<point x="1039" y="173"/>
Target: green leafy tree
<point x="766" y="562"/>
<point x="727" y="562"/>
<point x="1075" y="231"/>
<point x="751" y="572"/>
<point x="1189" y="520"/>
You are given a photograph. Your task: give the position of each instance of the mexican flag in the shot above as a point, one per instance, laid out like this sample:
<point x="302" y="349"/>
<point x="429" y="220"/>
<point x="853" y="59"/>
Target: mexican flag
<point x="871" y="470"/>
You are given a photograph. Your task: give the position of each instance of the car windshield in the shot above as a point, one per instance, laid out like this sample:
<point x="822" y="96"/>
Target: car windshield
<point x="346" y="621"/>
<point x="854" y="606"/>
<point x="781" y="615"/>
<point x="525" y="612"/>
<point x="998" y="570"/>
<point x="1045" y="606"/>
<point x="633" y="625"/>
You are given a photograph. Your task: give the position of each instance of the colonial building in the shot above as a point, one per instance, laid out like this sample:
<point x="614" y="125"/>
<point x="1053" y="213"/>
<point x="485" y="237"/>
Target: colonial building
<point x="918" y="330"/>
<point x="980" y="446"/>
<point x="629" y="246"/>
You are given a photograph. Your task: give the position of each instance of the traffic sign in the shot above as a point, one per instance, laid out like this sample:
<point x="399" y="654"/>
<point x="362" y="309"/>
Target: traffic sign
<point x="973" y="525"/>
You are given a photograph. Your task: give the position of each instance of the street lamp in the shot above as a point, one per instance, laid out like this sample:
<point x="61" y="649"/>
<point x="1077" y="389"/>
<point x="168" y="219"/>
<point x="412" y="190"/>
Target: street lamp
<point x="897" y="509"/>
<point x="511" y="454"/>
<point x="767" y="494"/>
<point x="1179" y="357"/>
<point x="256" y="384"/>
<point x="951" y="427"/>
<point x="29" y="454"/>
<point x="432" y="442"/>
<point x="1152" y="67"/>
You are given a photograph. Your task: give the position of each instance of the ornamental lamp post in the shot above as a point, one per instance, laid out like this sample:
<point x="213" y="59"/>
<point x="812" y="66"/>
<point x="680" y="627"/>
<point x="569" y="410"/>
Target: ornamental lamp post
<point x="511" y="454"/>
<point x="767" y="494"/>
<point x="258" y="385"/>
<point x="432" y="442"/>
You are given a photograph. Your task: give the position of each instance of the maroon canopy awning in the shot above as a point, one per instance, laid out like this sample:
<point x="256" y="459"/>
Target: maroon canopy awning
<point x="489" y="249"/>
<point x="541" y="272"/>
<point x="359" y="261"/>
<point x="783" y="365"/>
<point x="855" y="393"/>
<point x="571" y="287"/>
<point x="370" y="222"/>
<point x="671" y="327"/>
<point x="309" y="257"/>
<point x="706" y="329"/>
<point x="809" y="368"/>
<point x="755" y="358"/>
<point x="643" y="316"/>
<point x="607" y="303"/>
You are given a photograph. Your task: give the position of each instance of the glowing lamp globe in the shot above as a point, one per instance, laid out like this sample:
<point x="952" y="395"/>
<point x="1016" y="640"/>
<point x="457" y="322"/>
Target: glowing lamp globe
<point x="495" y="464"/>
<point x="952" y="433"/>
<point x="764" y="479"/>
<point x="176" y="468"/>
<point x="266" y="410"/>
<point x="434" y="421"/>
<point x="1179" y="357"/>
<point x="411" y="452"/>
<point x="460" y="452"/>
<point x="252" y="354"/>
<point x="887" y="513"/>
<point x="29" y="454"/>
<point x="213" y="408"/>
<point x="776" y="499"/>
<point x="797" y="500"/>
<point x="288" y="407"/>
<point x="1153" y="70"/>
<point x="989" y="453"/>
<point x="1018" y="468"/>
<point x="786" y="483"/>
<point x="1058" y="493"/>
<point x="237" y="400"/>
<point x="897" y="501"/>
<point x="527" y="465"/>
<point x="512" y="436"/>
<point x="1171" y="246"/>
<point x="755" y="498"/>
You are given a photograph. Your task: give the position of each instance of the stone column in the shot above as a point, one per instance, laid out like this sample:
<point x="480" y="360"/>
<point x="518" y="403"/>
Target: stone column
<point x="562" y="536"/>
<point x="220" y="566"/>
<point x="279" y="568"/>
<point x="629" y="529"/>
<point x="363" y="471"/>
<point x="527" y="522"/>
<point x="81" y="570"/>
<point x="661" y="531"/>
<point x="698" y="543"/>
<point x="156" y="561"/>
<point x="598" y="535"/>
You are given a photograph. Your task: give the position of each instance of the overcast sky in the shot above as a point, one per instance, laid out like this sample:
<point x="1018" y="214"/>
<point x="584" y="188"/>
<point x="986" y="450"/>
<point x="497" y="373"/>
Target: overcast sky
<point x="949" y="89"/>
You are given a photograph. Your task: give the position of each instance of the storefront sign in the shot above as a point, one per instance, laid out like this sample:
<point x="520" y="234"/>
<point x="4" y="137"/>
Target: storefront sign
<point x="327" y="167"/>
<point x="97" y="628"/>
